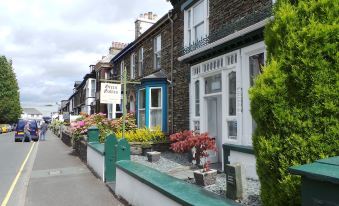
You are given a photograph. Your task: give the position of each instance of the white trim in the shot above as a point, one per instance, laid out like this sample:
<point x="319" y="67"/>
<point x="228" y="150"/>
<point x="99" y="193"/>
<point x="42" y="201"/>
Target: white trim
<point x="227" y="38"/>
<point x="205" y="22"/>
<point x="142" y="109"/>
<point x="150" y="105"/>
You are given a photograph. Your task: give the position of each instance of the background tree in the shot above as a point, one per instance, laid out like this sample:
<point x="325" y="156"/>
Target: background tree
<point x="10" y="109"/>
<point x="295" y="102"/>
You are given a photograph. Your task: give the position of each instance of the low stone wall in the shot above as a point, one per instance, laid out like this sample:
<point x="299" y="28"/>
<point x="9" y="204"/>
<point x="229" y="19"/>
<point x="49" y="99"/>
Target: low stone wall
<point x="161" y="147"/>
<point x="80" y="147"/>
<point x="136" y="147"/>
<point x="66" y="138"/>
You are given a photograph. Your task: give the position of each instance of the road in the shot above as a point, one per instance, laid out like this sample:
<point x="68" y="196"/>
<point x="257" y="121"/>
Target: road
<point x="52" y="175"/>
<point x="12" y="155"/>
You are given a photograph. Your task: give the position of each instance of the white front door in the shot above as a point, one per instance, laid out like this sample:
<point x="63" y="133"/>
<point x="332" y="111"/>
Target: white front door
<point x="214" y="125"/>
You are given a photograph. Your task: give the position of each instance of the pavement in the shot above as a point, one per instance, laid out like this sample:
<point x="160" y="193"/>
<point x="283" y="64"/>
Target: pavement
<point x="54" y="176"/>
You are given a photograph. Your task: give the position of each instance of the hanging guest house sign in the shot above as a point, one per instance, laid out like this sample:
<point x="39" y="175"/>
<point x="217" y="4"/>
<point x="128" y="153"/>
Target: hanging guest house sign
<point x="110" y="93"/>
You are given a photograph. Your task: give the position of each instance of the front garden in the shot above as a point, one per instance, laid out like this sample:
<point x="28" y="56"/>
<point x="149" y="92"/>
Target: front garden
<point x="175" y="158"/>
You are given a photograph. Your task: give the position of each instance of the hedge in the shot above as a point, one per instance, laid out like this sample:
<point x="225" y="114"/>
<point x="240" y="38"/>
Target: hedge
<point x="295" y="101"/>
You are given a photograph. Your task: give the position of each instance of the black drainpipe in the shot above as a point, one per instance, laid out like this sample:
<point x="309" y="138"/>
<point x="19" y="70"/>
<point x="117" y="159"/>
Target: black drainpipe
<point x="172" y="89"/>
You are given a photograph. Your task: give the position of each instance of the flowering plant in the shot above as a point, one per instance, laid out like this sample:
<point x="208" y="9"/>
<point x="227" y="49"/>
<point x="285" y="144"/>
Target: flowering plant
<point x="80" y="127"/>
<point x="187" y="140"/>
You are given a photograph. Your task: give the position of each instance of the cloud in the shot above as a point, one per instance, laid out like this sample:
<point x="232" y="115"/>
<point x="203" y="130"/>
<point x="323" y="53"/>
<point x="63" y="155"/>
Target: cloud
<point x="52" y="43"/>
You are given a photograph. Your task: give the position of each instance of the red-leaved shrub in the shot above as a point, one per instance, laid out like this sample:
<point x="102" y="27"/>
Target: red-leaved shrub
<point x="187" y="140"/>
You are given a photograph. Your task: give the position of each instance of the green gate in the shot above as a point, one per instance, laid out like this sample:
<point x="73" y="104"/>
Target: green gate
<point x="110" y="157"/>
<point x="114" y="151"/>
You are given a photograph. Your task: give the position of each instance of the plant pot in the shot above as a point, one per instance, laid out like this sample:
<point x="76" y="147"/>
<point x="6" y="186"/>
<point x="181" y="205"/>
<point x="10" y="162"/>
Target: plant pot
<point x="153" y="156"/>
<point x="205" y="178"/>
<point x="146" y="150"/>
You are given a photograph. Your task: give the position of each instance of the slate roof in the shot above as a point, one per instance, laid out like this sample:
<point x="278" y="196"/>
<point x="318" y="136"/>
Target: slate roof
<point x="31" y="111"/>
<point x="157" y="75"/>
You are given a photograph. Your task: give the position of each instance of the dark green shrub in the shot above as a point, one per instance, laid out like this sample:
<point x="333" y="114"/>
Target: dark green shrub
<point x="295" y="102"/>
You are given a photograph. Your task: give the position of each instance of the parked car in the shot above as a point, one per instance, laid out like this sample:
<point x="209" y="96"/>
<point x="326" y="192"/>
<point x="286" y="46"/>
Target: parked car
<point x="3" y="128"/>
<point x="19" y="132"/>
<point x="9" y="128"/>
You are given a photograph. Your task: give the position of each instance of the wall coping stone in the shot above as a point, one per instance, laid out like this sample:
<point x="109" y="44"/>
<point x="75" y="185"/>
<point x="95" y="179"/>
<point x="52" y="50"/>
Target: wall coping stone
<point x="176" y="189"/>
<point x="322" y="170"/>
<point x="98" y="147"/>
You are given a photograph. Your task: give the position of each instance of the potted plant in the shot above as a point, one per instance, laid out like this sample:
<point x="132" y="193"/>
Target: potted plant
<point x="187" y="140"/>
<point x="146" y="147"/>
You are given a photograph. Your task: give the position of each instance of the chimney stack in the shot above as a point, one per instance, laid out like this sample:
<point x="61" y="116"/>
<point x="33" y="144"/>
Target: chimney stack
<point x="116" y="47"/>
<point x="143" y="22"/>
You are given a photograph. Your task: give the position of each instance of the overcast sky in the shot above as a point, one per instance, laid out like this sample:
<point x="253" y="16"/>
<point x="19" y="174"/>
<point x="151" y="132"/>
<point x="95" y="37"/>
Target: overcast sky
<point x="53" y="42"/>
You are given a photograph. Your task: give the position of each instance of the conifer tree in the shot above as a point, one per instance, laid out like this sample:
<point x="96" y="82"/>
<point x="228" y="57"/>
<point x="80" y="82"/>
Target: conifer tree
<point x="295" y="101"/>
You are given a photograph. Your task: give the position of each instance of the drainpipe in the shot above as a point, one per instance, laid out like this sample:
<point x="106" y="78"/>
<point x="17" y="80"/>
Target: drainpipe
<point x="172" y="89"/>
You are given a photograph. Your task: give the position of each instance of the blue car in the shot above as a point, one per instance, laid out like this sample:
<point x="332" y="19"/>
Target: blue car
<point x="19" y="131"/>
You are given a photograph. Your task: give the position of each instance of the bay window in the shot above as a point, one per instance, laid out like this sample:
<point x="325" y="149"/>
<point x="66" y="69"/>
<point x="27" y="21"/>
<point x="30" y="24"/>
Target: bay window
<point x="155" y="108"/>
<point x="142" y="106"/>
<point x="152" y="104"/>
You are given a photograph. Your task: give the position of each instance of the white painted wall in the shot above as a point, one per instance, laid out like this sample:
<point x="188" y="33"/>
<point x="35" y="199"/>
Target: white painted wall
<point x="247" y="161"/>
<point x="97" y="162"/>
<point x="145" y="195"/>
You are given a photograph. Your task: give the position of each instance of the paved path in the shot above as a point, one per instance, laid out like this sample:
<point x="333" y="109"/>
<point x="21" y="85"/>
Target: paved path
<point x="59" y="178"/>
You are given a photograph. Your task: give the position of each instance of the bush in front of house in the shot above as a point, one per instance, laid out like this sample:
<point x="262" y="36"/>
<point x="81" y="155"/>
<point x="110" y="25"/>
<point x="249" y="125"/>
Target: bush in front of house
<point x="144" y="135"/>
<point x="81" y="125"/>
<point x="295" y="101"/>
<point x="130" y="123"/>
<point x="187" y="140"/>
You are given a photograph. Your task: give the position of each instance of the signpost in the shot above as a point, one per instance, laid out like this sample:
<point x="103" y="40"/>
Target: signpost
<point x="110" y="93"/>
<point x="114" y="96"/>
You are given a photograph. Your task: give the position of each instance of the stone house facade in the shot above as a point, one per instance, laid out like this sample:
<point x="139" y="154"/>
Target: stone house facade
<point x="161" y="97"/>
<point x="224" y="49"/>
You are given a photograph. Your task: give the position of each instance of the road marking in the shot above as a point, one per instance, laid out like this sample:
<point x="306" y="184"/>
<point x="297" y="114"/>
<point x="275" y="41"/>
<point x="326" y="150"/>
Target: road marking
<point x="10" y="191"/>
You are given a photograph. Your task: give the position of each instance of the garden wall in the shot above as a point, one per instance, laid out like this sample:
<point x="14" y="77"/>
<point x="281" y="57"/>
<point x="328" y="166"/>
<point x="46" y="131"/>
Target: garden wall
<point x="155" y="187"/>
<point x="66" y="138"/>
<point x="96" y="159"/>
<point x="80" y="147"/>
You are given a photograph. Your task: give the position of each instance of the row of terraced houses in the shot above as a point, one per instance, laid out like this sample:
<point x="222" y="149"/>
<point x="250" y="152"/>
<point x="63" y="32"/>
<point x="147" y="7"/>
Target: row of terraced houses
<point x="195" y="66"/>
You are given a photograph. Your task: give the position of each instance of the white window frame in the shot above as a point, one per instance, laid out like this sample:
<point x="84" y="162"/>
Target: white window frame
<point x="247" y="117"/>
<point x="155" y="108"/>
<point x="140" y="61"/>
<point x="189" y="31"/>
<point x="229" y="117"/>
<point x="132" y="69"/>
<point x="141" y="109"/>
<point x="157" y="52"/>
<point x="93" y="88"/>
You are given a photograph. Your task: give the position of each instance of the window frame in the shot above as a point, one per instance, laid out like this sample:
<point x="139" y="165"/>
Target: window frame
<point x="132" y="67"/>
<point x="93" y="88"/>
<point x="157" y="52"/>
<point x="140" y="61"/>
<point x="189" y="25"/>
<point x="141" y="109"/>
<point x="155" y="108"/>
